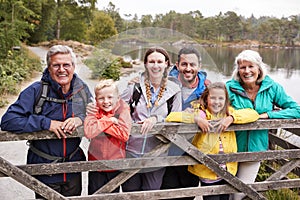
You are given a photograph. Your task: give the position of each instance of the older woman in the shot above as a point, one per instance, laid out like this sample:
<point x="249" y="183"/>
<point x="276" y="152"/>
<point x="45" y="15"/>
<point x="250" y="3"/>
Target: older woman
<point x="151" y="107"/>
<point x="251" y="87"/>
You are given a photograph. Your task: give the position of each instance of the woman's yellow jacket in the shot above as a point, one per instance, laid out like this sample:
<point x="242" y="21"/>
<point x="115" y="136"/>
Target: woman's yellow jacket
<point x="208" y="143"/>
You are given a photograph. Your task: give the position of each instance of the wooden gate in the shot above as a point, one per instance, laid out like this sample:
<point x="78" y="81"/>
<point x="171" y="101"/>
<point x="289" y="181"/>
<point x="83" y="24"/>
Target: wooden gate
<point x="177" y="133"/>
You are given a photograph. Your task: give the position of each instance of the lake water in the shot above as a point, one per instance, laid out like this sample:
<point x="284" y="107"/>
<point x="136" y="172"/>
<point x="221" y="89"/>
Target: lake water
<point x="284" y="64"/>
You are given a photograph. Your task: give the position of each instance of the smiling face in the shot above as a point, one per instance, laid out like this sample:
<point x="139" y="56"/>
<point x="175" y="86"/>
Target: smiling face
<point x="156" y="65"/>
<point x="216" y="100"/>
<point x="188" y="68"/>
<point x="107" y="98"/>
<point x="248" y="72"/>
<point x="62" y="70"/>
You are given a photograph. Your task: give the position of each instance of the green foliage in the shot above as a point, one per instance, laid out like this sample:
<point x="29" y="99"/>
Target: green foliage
<point x="123" y="63"/>
<point x="101" y="28"/>
<point x="16" y="67"/>
<point x="44" y="20"/>
<point x="104" y="65"/>
<point x="14" y="24"/>
<point x="62" y="20"/>
<point x="282" y="194"/>
<point x="44" y="29"/>
<point x="114" y="14"/>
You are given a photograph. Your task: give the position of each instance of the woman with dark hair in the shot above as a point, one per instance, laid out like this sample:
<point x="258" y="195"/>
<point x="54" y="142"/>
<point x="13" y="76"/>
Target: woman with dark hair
<point x="251" y="87"/>
<point x="152" y="107"/>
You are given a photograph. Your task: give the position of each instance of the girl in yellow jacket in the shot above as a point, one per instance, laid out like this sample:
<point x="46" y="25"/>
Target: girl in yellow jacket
<point x="215" y="105"/>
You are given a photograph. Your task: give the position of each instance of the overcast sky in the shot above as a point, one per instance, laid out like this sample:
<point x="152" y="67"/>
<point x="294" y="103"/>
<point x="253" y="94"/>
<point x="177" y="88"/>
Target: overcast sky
<point x="274" y="8"/>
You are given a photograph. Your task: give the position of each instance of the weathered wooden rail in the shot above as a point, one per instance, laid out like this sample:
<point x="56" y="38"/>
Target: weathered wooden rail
<point x="177" y="133"/>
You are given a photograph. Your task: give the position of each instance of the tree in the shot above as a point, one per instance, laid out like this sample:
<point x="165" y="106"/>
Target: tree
<point x="113" y="12"/>
<point x="44" y="29"/>
<point x="290" y="30"/>
<point x="146" y="21"/>
<point x="15" y="21"/>
<point x="101" y="27"/>
<point x="74" y="21"/>
<point x="208" y="32"/>
<point x="134" y="23"/>
<point x="231" y="25"/>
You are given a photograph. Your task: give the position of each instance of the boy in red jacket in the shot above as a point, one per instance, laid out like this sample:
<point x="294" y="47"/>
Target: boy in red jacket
<point x="108" y="130"/>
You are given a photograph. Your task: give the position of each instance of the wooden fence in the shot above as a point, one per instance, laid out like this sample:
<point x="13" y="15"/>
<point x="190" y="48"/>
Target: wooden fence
<point x="177" y="133"/>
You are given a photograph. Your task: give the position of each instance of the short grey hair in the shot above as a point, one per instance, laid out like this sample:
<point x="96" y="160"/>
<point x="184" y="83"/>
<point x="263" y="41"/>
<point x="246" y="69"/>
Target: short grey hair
<point x="253" y="57"/>
<point x="60" y="49"/>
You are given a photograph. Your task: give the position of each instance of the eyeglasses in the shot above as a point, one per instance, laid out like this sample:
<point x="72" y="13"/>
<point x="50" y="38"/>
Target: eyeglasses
<point x="58" y="66"/>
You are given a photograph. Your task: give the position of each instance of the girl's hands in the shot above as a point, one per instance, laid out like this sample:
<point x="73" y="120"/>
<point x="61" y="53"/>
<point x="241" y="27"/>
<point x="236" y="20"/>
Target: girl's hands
<point x="203" y="124"/>
<point x="134" y="80"/>
<point x="147" y="124"/>
<point x="223" y="124"/>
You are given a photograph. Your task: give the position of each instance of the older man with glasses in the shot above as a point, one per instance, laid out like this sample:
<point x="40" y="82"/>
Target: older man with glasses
<point x="56" y="103"/>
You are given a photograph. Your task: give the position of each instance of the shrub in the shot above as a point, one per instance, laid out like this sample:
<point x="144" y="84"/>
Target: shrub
<point x="14" y="68"/>
<point x="282" y="194"/>
<point x="124" y="63"/>
<point x="104" y="65"/>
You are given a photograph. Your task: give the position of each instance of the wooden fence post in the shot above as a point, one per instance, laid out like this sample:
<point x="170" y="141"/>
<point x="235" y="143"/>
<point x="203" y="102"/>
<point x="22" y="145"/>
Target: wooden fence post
<point x="29" y="181"/>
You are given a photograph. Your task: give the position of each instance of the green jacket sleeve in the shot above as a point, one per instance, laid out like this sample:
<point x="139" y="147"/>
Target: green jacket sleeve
<point x="288" y="108"/>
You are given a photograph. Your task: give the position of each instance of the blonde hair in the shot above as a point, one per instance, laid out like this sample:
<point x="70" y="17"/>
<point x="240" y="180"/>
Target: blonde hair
<point x="106" y="83"/>
<point x="253" y="57"/>
<point x="164" y="80"/>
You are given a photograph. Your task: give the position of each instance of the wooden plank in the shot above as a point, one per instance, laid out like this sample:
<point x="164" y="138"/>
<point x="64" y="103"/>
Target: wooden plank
<point x="28" y="181"/>
<point x="282" y="162"/>
<point x="284" y="170"/>
<point x="281" y="142"/>
<point x="148" y="162"/>
<point x="124" y="176"/>
<point x="41" y="135"/>
<point x="213" y="165"/>
<point x="181" y="127"/>
<point x="257" y="156"/>
<point x="190" y="192"/>
<point x="293" y="130"/>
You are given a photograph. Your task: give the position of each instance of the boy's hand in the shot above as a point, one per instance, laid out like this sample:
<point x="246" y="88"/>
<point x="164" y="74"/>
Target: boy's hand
<point x="115" y="120"/>
<point x="91" y="108"/>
